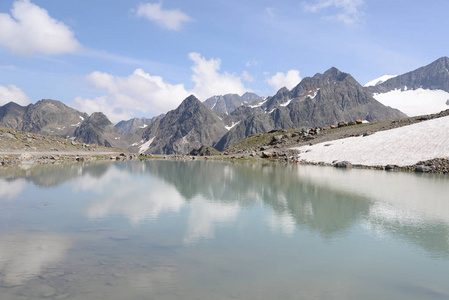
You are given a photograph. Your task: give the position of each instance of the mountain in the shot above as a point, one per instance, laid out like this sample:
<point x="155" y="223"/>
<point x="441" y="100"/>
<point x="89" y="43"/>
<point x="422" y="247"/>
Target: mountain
<point x="132" y="125"/>
<point x="317" y="101"/>
<point x="49" y="117"/>
<point x="226" y="104"/>
<point x="11" y="115"/>
<point x="419" y="92"/>
<point x="54" y="118"/>
<point x="182" y="130"/>
<point x="97" y="129"/>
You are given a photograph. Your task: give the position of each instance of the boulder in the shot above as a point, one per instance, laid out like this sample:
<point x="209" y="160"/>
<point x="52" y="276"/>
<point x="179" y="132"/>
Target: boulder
<point x="343" y="164"/>
<point x="423" y="169"/>
<point x="342" y="124"/>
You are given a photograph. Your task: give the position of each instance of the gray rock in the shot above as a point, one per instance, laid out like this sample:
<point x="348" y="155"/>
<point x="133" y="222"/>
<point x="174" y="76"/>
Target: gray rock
<point x="423" y="169"/>
<point x="343" y="164"/>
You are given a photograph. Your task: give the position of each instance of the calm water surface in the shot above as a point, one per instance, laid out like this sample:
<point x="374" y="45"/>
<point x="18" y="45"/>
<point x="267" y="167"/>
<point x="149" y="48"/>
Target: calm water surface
<point x="208" y="230"/>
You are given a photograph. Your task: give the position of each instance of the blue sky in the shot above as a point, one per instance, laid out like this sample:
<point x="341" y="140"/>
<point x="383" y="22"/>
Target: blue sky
<point x="141" y="58"/>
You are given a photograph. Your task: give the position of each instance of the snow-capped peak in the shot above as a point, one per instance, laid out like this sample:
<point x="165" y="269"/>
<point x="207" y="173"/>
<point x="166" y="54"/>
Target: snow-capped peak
<point x="379" y="80"/>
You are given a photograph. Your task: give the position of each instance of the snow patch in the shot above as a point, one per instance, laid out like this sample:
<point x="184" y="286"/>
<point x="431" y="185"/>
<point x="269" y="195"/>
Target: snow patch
<point x="379" y="80"/>
<point x="286" y="103"/>
<point x="145" y="146"/>
<point x="82" y="119"/>
<point x="144" y="126"/>
<point x="232" y="126"/>
<point x="258" y="104"/>
<point x="135" y="144"/>
<point x="76" y="125"/>
<point x="400" y="146"/>
<point x="215" y="103"/>
<point x="415" y="102"/>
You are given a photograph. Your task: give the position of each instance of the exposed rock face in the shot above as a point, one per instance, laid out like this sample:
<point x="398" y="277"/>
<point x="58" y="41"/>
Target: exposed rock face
<point x="226" y="104"/>
<point x="132" y="125"/>
<point x="97" y="129"/>
<point x="49" y="117"/>
<point x="434" y="76"/>
<point x="184" y="129"/>
<point x="11" y="115"/>
<point x="317" y="101"/>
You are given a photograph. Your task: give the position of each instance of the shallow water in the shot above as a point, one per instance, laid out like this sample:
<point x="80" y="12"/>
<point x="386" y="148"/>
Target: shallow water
<point x="209" y="230"/>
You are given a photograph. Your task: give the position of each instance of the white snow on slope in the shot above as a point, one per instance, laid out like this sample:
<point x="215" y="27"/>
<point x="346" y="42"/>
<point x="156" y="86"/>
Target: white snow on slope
<point x="232" y="126"/>
<point x="379" y="80"/>
<point x="314" y="94"/>
<point x="258" y="104"/>
<point x="286" y="103"/>
<point x="145" y="146"/>
<point x="415" y="102"/>
<point x="401" y="146"/>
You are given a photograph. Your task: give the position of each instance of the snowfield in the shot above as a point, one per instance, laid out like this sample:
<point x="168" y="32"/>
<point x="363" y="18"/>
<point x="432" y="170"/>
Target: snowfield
<point x="415" y="102"/>
<point x="401" y="146"/>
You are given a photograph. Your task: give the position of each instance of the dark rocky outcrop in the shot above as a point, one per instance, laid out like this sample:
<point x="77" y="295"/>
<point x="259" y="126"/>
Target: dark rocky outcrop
<point x="184" y="129"/>
<point x="97" y="129"/>
<point x="11" y="115"/>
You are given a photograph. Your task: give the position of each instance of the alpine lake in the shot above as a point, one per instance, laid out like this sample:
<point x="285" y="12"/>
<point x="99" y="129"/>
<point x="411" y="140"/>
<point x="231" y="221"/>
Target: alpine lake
<point x="213" y="230"/>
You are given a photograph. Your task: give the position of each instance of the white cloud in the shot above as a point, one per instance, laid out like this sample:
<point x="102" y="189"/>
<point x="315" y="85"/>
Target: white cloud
<point x="209" y="82"/>
<point x="346" y="11"/>
<point x="289" y="80"/>
<point x="141" y="92"/>
<point x="168" y="19"/>
<point x="30" y="29"/>
<point x="13" y="93"/>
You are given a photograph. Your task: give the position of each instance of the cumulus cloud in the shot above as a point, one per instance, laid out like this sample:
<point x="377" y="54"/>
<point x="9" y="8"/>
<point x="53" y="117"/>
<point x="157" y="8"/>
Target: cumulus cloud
<point x="13" y="93"/>
<point x="289" y="79"/>
<point x="30" y="29"/>
<point x="208" y="81"/>
<point x="142" y="93"/>
<point x="346" y="11"/>
<point x="139" y="92"/>
<point x="168" y="19"/>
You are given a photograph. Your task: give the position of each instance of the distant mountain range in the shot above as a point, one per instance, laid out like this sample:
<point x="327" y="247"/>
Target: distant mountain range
<point x="223" y="120"/>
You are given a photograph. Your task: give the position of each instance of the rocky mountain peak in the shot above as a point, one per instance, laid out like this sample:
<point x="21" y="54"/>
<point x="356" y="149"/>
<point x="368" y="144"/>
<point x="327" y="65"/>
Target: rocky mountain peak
<point x="190" y="101"/>
<point x="99" y="118"/>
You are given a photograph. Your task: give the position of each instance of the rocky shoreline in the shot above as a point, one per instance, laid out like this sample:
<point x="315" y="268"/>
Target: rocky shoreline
<point x="40" y="158"/>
